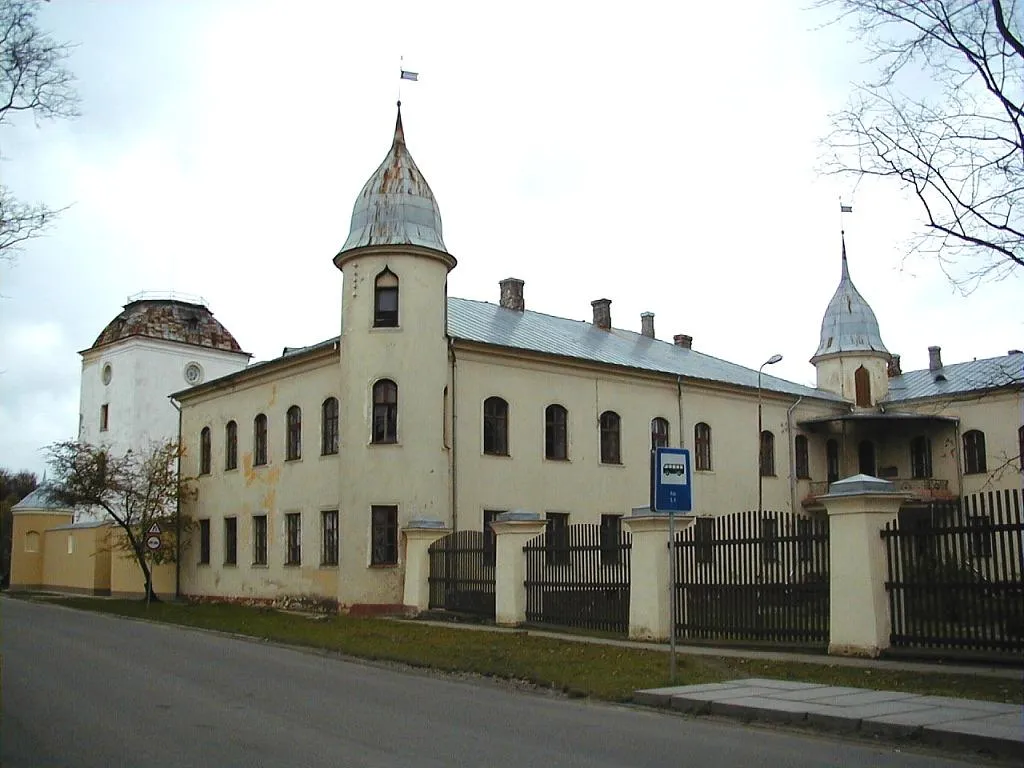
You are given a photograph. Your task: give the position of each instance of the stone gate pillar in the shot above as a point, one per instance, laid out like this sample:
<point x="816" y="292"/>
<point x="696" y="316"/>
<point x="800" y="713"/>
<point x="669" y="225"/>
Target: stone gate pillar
<point x="512" y="529"/>
<point x="650" y="606"/>
<point x="419" y="535"/>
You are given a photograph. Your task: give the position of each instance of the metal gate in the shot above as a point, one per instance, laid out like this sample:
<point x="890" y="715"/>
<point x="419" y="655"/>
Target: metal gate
<point x="462" y="574"/>
<point x="578" y="576"/>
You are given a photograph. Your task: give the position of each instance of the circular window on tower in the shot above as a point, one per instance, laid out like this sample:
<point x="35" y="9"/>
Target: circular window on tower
<point x="106" y="374"/>
<point x="193" y="373"/>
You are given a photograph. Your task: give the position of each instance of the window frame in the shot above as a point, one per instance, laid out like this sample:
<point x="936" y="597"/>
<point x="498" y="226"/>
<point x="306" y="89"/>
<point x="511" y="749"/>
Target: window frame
<point x="329" y="423"/>
<point x="385" y="412"/>
<point x="660" y="437"/>
<point x="383" y="535"/>
<point x="382" y="287"/>
<point x="205" y="449"/>
<point x="231" y="540"/>
<point x="766" y="453"/>
<point x="330" y="538"/>
<point x="975" y="459"/>
<point x="495" y="426"/>
<point x="260" y="538"/>
<point x="260" y="454"/>
<point x="702" y="456"/>
<point x="832" y="464"/>
<point x="231" y="445"/>
<point x="556" y="435"/>
<point x="920" y="457"/>
<point x="293" y="434"/>
<point x="104" y="417"/>
<point x="293" y="539"/>
<point x="802" y="457"/>
<point x="610" y="426"/>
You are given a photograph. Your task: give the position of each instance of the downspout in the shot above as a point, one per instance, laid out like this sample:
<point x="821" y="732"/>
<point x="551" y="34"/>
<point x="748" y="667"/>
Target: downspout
<point x="679" y="404"/>
<point x="958" y="455"/>
<point x="792" y="454"/>
<point x="177" y="512"/>
<point x="453" y="461"/>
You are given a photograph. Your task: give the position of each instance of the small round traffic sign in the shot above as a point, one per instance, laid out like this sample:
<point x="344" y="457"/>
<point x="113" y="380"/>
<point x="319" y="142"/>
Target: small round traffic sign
<point x="153" y="542"/>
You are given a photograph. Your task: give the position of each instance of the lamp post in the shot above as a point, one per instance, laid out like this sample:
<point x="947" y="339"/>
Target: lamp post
<point x="760" y="476"/>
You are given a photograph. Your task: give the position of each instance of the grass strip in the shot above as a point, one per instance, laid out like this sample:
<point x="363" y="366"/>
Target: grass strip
<point x="575" y="668"/>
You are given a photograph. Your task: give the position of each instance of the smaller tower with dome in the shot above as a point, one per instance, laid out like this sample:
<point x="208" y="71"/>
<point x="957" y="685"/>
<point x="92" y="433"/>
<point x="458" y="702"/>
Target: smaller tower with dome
<point x="851" y="359"/>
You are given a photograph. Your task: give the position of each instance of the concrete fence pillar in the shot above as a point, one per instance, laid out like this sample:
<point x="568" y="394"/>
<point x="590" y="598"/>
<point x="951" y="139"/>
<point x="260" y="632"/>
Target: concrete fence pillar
<point x="512" y="530"/>
<point x="858" y="509"/>
<point x="419" y="535"/>
<point x="650" y="605"/>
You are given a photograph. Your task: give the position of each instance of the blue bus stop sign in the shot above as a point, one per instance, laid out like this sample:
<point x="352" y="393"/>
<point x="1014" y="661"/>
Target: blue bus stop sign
<point x="671" y="490"/>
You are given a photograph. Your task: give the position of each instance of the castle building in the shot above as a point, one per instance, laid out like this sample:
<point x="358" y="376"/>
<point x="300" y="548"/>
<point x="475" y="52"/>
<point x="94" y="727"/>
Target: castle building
<point x="308" y="466"/>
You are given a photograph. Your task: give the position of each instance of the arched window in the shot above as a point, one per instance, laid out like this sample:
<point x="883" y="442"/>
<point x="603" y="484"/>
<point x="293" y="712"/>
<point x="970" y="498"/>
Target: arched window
<point x="259" y="440"/>
<point x="204" y="451"/>
<point x="866" y="458"/>
<point x="385" y="412"/>
<point x="385" y="300"/>
<point x="702" y="447"/>
<point x="231" y="445"/>
<point x="659" y="433"/>
<point x="329" y="426"/>
<point x="974" y="452"/>
<point x="920" y="457"/>
<point x="610" y="438"/>
<point x="862" y="385"/>
<point x="495" y="427"/>
<point x="803" y="461"/>
<point x="32" y="541"/>
<point x="767" y="454"/>
<point x="832" y="460"/>
<point x="556" y="442"/>
<point x="293" y="434"/>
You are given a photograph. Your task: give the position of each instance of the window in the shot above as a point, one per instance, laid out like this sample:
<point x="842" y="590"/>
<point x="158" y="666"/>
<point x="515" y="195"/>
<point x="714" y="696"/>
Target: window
<point x="803" y="469"/>
<point x="659" y="433"/>
<point x="557" y="538"/>
<point x="974" y="452"/>
<point x="832" y="460"/>
<point x="385" y="300"/>
<point x="702" y="446"/>
<point x="32" y="541"/>
<point x="71" y="543"/>
<point x="384" y="535"/>
<point x="293" y="538"/>
<point x="805" y="538"/>
<point x="767" y="457"/>
<point x="495" y="426"/>
<point x="490" y="538"/>
<point x="230" y="540"/>
<point x="704" y="539"/>
<point x="259" y="540"/>
<point x="104" y="417"/>
<point x="862" y="387"/>
<point x="329" y="537"/>
<point x="981" y="535"/>
<point x="204" y="451"/>
<point x="231" y="445"/>
<point x="293" y="434"/>
<point x="556" y="444"/>
<point x="329" y="426"/>
<point x="920" y="457"/>
<point x="259" y="440"/>
<point x="610" y="426"/>
<point x="204" y="542"/>
<point x="770" y="540"/>
<point x="385" y="411"/>
<point x="611" y="538"/>
<point x="866" y="458"/>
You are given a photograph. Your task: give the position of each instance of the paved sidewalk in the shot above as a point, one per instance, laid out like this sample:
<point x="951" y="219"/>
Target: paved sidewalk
<point x="935" y="720"/>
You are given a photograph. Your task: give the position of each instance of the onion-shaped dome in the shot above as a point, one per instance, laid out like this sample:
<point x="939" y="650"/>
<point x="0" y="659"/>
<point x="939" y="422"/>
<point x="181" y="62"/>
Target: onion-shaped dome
<point x="849" y="324"/>
<point x="396" y="206"/>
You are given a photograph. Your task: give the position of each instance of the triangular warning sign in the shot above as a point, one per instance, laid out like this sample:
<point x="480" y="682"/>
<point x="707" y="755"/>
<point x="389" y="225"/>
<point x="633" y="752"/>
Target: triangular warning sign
<point x="154" y="530"/>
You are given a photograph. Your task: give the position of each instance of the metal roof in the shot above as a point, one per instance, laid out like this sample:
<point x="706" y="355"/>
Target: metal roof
<point x="486" y="323"/>
<point x="396" y="206"/>
<point x="958" y="378"/>
<point x="849" y="324"/>
<point x="38" y="499"/>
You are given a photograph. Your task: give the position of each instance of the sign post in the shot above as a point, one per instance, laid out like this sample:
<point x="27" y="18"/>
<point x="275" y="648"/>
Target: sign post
<point x="153" y="544"/>
<point x="671" y="492"/>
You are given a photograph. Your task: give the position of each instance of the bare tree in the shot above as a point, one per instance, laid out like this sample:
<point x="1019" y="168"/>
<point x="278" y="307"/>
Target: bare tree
<point x="14" y="486"/>
<point x="33" y="81"/>
<point x="134" y="491"/>
<point x="944" y="120"/>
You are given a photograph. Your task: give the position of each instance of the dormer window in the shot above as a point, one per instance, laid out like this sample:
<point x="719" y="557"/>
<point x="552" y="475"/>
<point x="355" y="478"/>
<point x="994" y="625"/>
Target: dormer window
<point x="385" y="300"/>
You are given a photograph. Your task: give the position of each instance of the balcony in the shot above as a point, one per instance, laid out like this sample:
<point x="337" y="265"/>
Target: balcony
<point x="920" y="489"/>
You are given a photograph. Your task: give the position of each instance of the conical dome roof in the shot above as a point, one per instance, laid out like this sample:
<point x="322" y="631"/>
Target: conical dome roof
<point x="396" y="206"/>
<point x="849" y="324"/>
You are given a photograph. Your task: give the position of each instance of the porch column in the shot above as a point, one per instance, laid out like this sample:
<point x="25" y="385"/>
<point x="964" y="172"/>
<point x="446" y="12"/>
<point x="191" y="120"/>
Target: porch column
<point x="650" y="604"/>
<point x="419" y="535"/>
<point x="858" y="509"/>
<point x="512" y="530"/>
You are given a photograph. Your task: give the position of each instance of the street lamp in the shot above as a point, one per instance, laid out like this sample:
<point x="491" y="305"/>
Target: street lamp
<point x="760" y="475"/>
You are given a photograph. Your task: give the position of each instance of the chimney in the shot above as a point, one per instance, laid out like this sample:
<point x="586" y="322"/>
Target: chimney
<point x="602" y="313"/>
<point x="647" y="324"/>
<point x="893" y="369"/>
<point x="934" y="358"/>
<point x="512" y="294"/>
<point x="682" y="340"/>
<point x="1014" y="352"/>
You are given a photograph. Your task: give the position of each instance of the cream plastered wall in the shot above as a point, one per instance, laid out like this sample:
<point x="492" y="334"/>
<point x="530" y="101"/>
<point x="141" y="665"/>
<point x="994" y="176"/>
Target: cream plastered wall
<point x="582" y="485"/>
<point x="126" y="579"/>
<point x="28" y="545"/>
<point x="413" y="473"/>
<point x="307" y="485"/>
<point x="78" y="559"/>
<point x="836" y="374"/>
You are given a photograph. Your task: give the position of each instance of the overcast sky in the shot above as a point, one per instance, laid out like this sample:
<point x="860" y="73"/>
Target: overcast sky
<point x="662" y="155"/>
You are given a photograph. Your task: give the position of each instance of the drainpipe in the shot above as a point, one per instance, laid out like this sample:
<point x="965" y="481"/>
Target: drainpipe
<point x="792" y="455"/>
<point x="177" y="512"/>
<point x="679" y="402"/>
<point x="454" y="462"/>
<point x="958" y="456"/>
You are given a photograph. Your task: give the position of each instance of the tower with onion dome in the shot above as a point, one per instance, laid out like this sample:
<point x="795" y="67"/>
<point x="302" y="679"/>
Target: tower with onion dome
<point x="394" y="371"/>
<point x="851" y="359"/>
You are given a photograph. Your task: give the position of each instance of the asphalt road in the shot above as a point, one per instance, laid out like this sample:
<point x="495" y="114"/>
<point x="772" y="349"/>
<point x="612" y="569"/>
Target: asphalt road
<point x="82" y="689"/>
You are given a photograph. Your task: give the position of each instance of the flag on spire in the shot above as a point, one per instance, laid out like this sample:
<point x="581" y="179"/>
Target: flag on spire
<point x="407" y="75"/>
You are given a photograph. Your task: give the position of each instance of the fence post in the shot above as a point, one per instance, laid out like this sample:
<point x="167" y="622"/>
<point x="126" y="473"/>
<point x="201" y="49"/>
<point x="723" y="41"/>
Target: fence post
<point x="512" y="530"/>
<point x="858" y="509"/>
<point x="419" y="535"/>
<point x="650" y="601"/>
